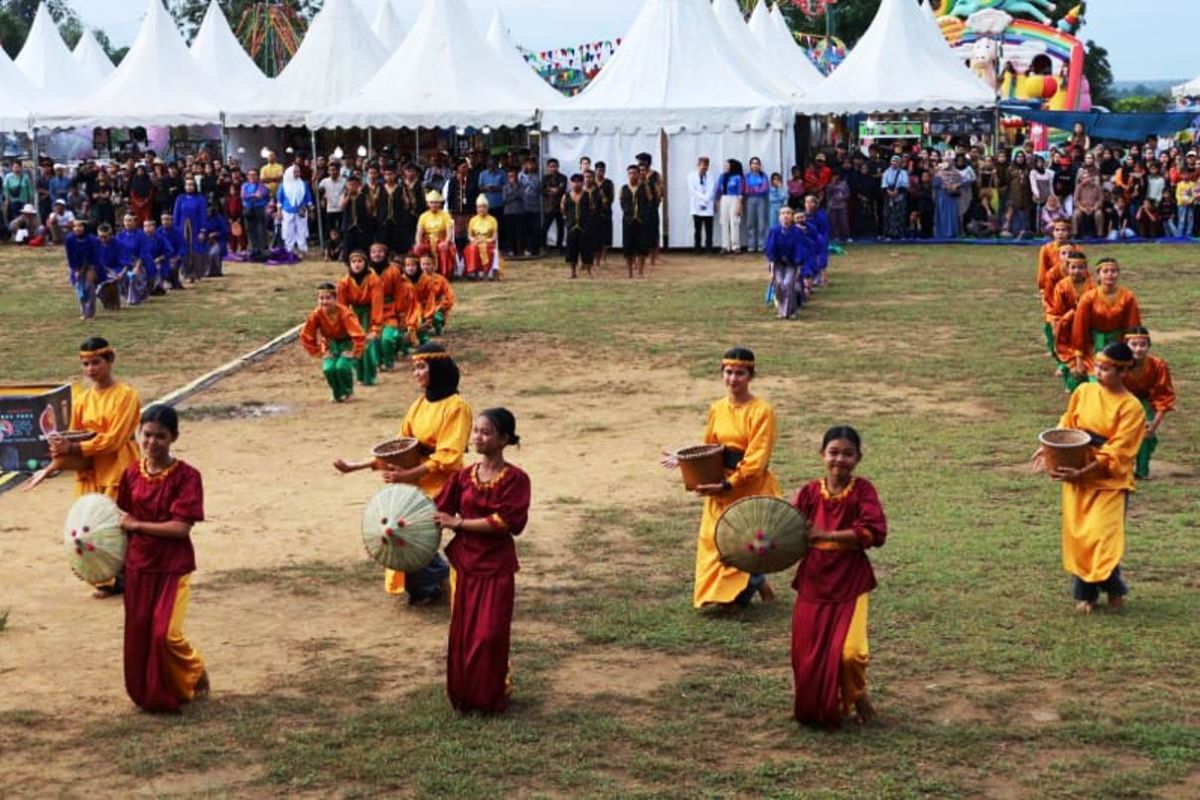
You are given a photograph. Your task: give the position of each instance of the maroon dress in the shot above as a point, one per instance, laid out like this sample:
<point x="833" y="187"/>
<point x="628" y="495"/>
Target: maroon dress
<point x="828" y="582"/>
<point x="153" y="567"/>
<point x="485" y="566"/>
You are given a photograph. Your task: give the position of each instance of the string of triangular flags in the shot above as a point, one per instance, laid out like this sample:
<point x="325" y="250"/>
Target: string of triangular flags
<point x="567" y="64"/>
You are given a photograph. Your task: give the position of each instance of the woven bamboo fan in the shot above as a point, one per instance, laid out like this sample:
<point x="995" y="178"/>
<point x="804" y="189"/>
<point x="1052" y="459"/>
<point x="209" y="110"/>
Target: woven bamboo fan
<point x="761" y="534"/>
<point x="93" y="539"/>
<point x="398" y="529"/>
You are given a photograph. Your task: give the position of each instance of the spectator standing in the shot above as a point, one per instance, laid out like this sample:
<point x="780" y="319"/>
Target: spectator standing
<point x="756" y="207"/>
<point x="554" y="185"/>
<point x="271" y="174"/>
<point x="702" y="197"/>
<point x="894" y="185"/>
<point x="531" y="197"/>
<point x="729" y="205"/>
<point x="330" y="191"/>
<point x="255" y="196"/>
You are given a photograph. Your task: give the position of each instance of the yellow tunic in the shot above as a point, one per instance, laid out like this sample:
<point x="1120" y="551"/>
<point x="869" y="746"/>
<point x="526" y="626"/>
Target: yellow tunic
<point x="444" y="427"/>
<point x="436" y="226"/>
<point x="749" y="428"/>
<point x="113" y="414"/>
<point x="1093" y="527"/>
<point x="484" y="233"/>
<point x="271" y="175"/>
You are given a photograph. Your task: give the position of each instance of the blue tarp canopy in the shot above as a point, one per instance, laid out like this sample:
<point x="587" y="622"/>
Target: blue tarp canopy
<point x="1103" y="125"/>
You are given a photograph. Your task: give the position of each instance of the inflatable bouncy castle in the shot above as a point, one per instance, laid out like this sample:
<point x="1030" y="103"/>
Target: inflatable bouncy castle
<point x="1029" y="58"/>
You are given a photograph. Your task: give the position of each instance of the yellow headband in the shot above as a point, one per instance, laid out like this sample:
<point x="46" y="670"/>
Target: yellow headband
<point x="1131" y="337"/>
<point x="1104" y="358"/>
<point x="736" y="362"/>
<point x="427" y="356"/>
<point x="103" y="351"/>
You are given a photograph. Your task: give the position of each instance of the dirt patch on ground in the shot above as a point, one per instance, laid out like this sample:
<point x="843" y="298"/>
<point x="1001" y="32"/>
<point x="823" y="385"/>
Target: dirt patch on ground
<point x="621" y="673"/>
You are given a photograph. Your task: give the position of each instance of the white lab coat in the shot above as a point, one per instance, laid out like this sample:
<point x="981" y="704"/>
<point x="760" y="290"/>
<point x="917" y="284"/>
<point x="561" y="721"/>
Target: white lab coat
<point x="702" y="199"/>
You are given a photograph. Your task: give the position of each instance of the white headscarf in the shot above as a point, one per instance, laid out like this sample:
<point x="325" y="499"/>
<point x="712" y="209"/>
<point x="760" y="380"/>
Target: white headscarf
<point x="293" y="187"/>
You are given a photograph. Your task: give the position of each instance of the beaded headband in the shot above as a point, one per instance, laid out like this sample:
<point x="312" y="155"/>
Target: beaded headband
<point x="103" y="351"/>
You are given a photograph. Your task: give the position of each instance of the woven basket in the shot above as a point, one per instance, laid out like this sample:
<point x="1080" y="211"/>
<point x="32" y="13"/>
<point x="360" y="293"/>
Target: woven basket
<point x="701" y="464"/>
<point x="404" y="452"/>
<point x="1064" y="447"/>
<point x="761" y="534"/>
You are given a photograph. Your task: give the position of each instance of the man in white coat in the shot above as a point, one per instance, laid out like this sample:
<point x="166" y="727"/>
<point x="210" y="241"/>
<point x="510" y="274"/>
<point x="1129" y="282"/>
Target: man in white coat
<point x="702" y="198"/>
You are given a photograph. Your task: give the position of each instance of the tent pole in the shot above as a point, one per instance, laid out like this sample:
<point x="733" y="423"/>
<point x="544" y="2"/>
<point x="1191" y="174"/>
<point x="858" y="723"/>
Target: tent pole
<point x="320" y="216"/>
<point x="33" y="153"/>
<point x="370" y="144"/>
<point x="224" y="139"/>
<point x="417" y="146"/>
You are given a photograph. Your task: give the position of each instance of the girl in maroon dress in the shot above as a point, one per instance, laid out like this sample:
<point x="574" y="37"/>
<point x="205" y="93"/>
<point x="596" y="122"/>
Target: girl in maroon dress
<point x="486" y="505"/>
<point x="160" y="498"/>
<point x="829" y="622"/>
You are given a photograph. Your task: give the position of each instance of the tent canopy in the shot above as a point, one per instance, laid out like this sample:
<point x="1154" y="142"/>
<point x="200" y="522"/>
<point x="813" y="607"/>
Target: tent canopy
<point x="1189" y="89"/>
<point x="339" y="53"/>
<point x="673" y="72"/>
<point x="765" y="65"/>
<point x="48" y="64"/>
<point x="92" y="58"/>
<point x="446" y="75"/>
<point x="387" y="26"/>
<point x="901" y="63"/>
<point x="218" y="52"/>
<point x="18" y="98"/>
<point x="157" y="83"/>
<point x="531" y="83"/>
<point x="772" y="34"/>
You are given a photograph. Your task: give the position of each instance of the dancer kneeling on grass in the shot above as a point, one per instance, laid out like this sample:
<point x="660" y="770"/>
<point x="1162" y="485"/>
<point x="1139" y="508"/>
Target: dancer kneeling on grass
<point x="160" y="498"/>
<point x="361" y="291"/>
<point x="332" y="332"/>
<point x="440" y="420"/>
<point x="1094" y="497"/>
<point x="785" y="258"/>
<point x="1150" y="381"/>
<point x="486" y="505"/>
<point x="829" y="621"/>
<point x="745" y="426"/>
<point x="439" y="297"/>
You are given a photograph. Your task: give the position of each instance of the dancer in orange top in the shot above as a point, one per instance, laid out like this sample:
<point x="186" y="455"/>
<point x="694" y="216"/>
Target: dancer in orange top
<point x="1061" y="314"/>
<point x="1149" y="380"/>
<point x="361" y="291"/>
<point x="333" y="333"/>
<point x="439" y="298"/>
<point x="1050" y="271"/>
<point x="1102" y="317"/>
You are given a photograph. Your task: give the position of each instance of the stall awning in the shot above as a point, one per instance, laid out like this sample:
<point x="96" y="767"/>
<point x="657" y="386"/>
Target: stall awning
<point x="1102" y="125"/>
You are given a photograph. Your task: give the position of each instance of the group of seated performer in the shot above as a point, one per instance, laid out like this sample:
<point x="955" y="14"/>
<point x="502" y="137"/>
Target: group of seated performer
<point x="797" y="251"/>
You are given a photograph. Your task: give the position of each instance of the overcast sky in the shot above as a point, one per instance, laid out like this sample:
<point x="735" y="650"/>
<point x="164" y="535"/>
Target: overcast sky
<point x="1148" y="40"/>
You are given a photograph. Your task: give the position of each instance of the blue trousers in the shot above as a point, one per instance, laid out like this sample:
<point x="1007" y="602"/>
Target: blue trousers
<point x="1112" y="586"/>
<point x="426" y="583"/>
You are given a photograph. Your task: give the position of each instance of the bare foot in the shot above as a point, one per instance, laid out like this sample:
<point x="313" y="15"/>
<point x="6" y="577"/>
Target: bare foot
<point x="103" y="593"/>
<point x="202" y="687"/>
<point x="864" y="711"/>
<point x="766" y="593"/>
<point x="1116" y="602"/>
<point x="1084" y="607"/>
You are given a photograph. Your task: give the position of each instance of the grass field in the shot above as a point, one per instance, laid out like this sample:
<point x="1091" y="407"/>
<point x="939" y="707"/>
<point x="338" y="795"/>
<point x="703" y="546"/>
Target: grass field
<point x="988" y="685"/>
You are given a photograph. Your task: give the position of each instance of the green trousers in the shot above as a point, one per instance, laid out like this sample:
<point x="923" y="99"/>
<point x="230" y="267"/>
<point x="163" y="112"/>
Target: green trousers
<point x="1048" y="328"/>
<point x="366" y="367"/>
<point x="1141" y="467"/>
<point x="391" y="343"/>
<point x="439" y="321"/>
<point x="338" y="367"/>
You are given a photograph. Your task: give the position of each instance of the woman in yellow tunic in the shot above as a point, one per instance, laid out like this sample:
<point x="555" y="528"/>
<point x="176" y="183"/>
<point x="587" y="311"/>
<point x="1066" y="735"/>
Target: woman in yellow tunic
<point x="481" y="258"/>
<point x="435" y="235"/>
<point x="745" y="426"/>
<point x="1094" y="497"/>
<point x="109" y="408"/>
<point x="440" y="420"/>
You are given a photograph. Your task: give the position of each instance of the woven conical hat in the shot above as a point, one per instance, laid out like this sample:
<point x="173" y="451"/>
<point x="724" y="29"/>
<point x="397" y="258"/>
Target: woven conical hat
<point x="761" y="534"/>
<point x="93" y="539"/>
<point x="398" y="528"/>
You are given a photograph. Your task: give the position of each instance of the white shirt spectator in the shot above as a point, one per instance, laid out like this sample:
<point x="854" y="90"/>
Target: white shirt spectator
<point x="333" y="190"/>
<point x="702" y="193"/>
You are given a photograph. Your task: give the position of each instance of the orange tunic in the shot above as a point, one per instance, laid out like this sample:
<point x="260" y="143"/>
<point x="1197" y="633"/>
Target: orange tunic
<point x="359" y="295"/>
<point x="1099" y="312"/>
<point x="321" y="328"/>
<point x="423" y="290"/>
<point x="1050" y="269"/>
<point x="399" y="299"/>
<point x="1151" y="381"/>
<point x="1061" y="314"/>
<point x="438" y="297"/>
<point x="113" y="414"/>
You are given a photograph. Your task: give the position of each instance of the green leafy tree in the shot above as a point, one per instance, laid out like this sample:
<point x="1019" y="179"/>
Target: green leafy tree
<point x="1099" y="74"/>
<point x="1146" y="104"/>
<point x="16" y="17"/>
<point x="190" y="13"/>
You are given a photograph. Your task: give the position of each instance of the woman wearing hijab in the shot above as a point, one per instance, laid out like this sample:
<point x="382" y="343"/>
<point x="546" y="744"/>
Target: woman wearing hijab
<point x="294" y="199"/>
<point x="947" y="187"/>
<point x="141" y="195"/>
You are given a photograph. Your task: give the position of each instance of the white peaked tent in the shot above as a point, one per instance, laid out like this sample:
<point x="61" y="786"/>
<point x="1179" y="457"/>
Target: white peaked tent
<point x="779" y="42"/>
<point x="531" y="83"/>
<point x="762" y="64"/>
<point x="387" y="26"/>
<point x="48" y="64"/>
<point x="673" y="91"/>
<point x="899" y="64"/>
<point x="446" y="75"/>
<point x="231" y="71"/>
<point x="338" y="56"/>
<point x="18" y="98"/>
<point x="1189" y="89"/>
<point x="92" y="58"/>
<point x="158" y="83"/>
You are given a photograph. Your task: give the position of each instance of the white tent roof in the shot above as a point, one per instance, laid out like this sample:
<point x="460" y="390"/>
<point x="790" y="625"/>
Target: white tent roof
<point x="157" y="83"/>
<point x="763" y="65"/>
<point x="338" y="56"/>
<point x="530" y="82"/>
<point x="17" y="96"/>
<point x="230" y="69"/>
<point x="672" y="71"/>
<point x="48" y="64"/>
<point x="771" y="33"/>
<point x="899" y="65"/>
<point x="92" y="58"/>
<point x="445" y="75"/>
<point x="387" y="26"/>
<point x="1189" y="89"/>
